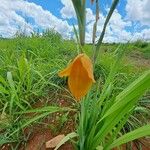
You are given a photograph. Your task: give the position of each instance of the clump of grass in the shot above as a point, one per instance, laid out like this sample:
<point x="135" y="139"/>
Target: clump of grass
<point x="103" y="113"/>
<point x="146" y="53"/>
<point x="141" y="44"/>
<point x="28" y="71"/>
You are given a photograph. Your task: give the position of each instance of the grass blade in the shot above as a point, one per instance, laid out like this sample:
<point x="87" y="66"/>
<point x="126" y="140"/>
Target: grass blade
<point x="66" y="138"/>
<point x="3" y="90"/>
<point x="45" y="109"/>
<point x="134" y="91"/>
<point x="138" y="133"/>
<point x="79" y="6"/>
<point x="96" y="53"/>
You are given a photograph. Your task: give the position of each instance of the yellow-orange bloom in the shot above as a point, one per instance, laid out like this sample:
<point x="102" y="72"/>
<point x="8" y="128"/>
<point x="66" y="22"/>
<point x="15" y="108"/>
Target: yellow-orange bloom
<point x="80" y="75"/>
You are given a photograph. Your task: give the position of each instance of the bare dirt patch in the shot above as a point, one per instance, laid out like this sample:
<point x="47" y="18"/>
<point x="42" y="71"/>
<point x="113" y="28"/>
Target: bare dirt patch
<point x="138" y="60"/>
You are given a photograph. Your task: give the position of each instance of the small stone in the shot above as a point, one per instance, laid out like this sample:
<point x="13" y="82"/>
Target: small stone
<point x="54" y="142"/>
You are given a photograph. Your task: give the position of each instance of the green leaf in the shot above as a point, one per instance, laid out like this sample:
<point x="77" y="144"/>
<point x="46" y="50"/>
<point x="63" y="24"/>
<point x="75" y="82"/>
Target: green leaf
<point x="30" y="121"/>
<point x="99" y="148"/>
<point x="3" y="90"/>
<point x="133" y="91"/>
<point x="13" y="91"/>
<point x="138" y="133"/>
<point x="113" y="6"/>
<point x="2" y="80"/>
<point x="125" y="102"/>
<point x="45" y="109"/>
<point x="66" y="138"/>
<point x="10" y="81"/>
<point x="22" y="66"/>
<point x="79" y="6"/>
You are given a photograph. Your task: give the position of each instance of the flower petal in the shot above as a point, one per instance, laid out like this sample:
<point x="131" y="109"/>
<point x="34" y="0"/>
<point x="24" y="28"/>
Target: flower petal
<point x="80" y="75"/>
<point x="87" y="64"/>
<point x="79" y="81"/>
<point x="66" y="71"/>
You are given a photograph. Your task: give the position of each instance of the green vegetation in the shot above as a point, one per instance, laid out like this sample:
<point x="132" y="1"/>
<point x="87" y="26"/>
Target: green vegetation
<point x="113" y="112"/>
<point x="28" y="73"/>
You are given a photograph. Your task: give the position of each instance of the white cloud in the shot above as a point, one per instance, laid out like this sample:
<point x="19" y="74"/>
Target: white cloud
<point x="139" y="10"/>
<point x="115" y="31"/>
<point x="89" y="15"/>
<point x="139" y="13"/>
<point x="117" y="27"/>
<point x="11" y="19"/>
<point x="143" y="35"/>
<point x="67" y="11"/>
<point x="14" y="15"/>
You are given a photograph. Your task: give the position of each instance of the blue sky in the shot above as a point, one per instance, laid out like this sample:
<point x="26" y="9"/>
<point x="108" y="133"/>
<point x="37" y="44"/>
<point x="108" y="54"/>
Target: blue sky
<point x="55" y="7"/>
<point x="130" y="21"/>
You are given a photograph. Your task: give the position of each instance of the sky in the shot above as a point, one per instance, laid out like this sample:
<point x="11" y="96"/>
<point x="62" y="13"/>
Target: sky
<point x="130" y="21"/>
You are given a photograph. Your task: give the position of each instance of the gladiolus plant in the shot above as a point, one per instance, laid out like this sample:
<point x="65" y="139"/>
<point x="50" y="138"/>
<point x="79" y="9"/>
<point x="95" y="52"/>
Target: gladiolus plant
<point x="102" y="114"/>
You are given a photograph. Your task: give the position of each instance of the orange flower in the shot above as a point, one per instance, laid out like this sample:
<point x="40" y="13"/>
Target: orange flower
<point x="80" y="75"/>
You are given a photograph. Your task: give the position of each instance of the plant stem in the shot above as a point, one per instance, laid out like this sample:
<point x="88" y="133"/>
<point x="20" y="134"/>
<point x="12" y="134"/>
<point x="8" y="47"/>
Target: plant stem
<point x="98" y="45"/>
<point x="95" y="24"/>
<point x="79" y="6"/>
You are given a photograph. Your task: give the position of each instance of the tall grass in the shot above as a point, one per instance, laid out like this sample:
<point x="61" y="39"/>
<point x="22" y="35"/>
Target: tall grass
<point x="28" y="72"/>
<point x="104" y="113"/>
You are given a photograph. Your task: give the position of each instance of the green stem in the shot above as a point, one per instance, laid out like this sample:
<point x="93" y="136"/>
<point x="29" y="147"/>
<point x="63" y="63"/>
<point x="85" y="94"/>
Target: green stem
<point x="98" y="45"/>
<point x="79" y="6"/>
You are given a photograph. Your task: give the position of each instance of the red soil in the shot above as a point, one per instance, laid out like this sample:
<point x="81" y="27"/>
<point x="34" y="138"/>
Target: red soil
<point x="41" y="133"/>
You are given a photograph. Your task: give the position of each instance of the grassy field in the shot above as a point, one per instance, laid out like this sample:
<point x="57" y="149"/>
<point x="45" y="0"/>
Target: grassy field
<point x="30" y="86"/>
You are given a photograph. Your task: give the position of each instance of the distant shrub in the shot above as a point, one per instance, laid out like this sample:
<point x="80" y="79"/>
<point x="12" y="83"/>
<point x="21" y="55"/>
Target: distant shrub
<point x="52" y="34"/>
<point x="20" y="34"/>
<point x="146" y="52"/>
<point x="141" y="44"/>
